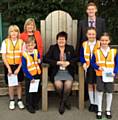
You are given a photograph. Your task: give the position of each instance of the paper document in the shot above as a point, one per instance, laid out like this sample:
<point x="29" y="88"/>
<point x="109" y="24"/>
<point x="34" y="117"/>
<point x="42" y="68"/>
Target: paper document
<point x="107" y="75"/>
<point x="34" y="86"/>
<point x="12" y="80"/>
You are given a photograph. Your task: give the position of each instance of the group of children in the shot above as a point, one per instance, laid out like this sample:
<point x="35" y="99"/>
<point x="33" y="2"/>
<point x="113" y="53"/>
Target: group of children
<point x="98" y="59"/>
<point x="100" y="63"/>
<point x="21" y="59"/>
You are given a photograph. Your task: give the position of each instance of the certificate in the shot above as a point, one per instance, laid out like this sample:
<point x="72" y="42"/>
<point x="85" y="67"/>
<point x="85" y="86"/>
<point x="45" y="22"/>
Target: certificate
<point x="107" y="75"/>
<point x="12" y="80"/>
<point x="34" y="86"/>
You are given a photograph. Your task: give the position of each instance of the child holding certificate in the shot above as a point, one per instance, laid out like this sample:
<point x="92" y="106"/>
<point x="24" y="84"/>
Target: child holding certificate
<point x="105" y="61"/>
<point x="87" y="50"/>
<point x="31" y="68"/>
<point x="12" y="48"/>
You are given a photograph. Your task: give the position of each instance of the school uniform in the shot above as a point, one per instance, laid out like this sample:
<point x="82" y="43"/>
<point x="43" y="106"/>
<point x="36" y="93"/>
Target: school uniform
<point x="106" y="59"/>
<point x="13" y="50"/>
<point x="31" y="69"/>
<point x="87" y="51"/>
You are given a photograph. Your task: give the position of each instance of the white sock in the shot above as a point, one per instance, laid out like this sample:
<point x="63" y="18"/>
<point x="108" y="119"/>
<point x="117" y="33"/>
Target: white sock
<point x="91" y="97"/>
<point x="108" y="101"/>
<point x="99" y="96"/>
<point x="96" y="98"/>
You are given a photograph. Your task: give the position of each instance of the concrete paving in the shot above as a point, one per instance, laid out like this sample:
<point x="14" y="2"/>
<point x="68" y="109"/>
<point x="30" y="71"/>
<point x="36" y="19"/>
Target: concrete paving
<point x="52" y="114"/>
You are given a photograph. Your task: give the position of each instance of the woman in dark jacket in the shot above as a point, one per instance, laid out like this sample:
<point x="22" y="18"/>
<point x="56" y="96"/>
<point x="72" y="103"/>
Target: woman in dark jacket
<point x="61" y="58"/>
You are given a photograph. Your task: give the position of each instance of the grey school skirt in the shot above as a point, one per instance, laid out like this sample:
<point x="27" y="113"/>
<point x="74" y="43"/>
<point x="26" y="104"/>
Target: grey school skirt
<point x="63" y="75"/>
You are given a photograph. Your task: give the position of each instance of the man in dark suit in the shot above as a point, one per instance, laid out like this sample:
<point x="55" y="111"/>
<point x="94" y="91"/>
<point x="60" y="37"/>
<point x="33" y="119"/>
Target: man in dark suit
<point x="91" y="21"/>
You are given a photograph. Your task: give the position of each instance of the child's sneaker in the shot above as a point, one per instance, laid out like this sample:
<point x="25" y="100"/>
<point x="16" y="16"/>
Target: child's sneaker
<point x="20" y="104"/>
<point x="12" y="105"/>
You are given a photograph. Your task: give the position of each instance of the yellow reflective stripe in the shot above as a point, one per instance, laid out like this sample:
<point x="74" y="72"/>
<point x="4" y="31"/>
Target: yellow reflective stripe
<point x="32" y="68"/>
<point x="15" y="51"/>
<point x="13" y="57"/>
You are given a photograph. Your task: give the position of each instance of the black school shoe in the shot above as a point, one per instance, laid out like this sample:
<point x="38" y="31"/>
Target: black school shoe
<point x="99" y="115"/>
<point x="67" y="105"/>
<point x="36" y="107"/>
<point x="95" y="108"/>
<point x="108" y="116"/>
<point x="91" y="108"/>
<point x="31" y="109"/>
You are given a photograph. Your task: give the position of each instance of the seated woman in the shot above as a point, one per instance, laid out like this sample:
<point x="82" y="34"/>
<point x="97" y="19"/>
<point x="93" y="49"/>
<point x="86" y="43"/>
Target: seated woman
<point x="61" y="59"/>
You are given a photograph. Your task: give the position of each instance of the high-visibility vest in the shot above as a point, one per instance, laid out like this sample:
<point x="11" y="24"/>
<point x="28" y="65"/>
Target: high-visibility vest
<point x="14" y="52"/>
<point x="102" y="61"/>
<point x="32" y="63"/>
<point x="87" y="52"/>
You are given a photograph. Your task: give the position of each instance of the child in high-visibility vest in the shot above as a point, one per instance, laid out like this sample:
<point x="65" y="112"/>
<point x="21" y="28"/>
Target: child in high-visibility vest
<point x="87" y="50"/>
<point x="105" y="61"/>
<point x="31" y="68"/>
<point x="12" y="48"/>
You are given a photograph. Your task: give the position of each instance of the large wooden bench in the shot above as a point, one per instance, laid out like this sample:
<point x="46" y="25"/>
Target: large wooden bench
<point x="55" y="22"/>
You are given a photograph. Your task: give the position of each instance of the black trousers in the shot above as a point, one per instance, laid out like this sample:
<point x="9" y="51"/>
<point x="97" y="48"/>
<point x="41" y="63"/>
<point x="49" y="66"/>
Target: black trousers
<point x="32" y="99"/>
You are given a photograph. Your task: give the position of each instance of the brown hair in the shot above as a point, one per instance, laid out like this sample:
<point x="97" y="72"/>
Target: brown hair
<point x="30" y="39"/>
<point x="106" y="34"/>
<point x="90" y="28"/>
<point x="91" y="4"/>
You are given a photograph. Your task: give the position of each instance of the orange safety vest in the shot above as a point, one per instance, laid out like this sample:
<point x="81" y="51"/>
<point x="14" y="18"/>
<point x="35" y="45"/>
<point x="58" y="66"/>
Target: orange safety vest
<point x="102" y="61"/>
<point x="32" y="63"/>
<point x="87" y="52"/>
<point x="14" y="53"/>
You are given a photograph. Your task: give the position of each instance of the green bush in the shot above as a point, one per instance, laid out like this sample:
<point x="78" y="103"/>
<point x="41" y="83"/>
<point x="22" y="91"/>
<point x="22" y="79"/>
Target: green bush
<point x="19" y="10"/>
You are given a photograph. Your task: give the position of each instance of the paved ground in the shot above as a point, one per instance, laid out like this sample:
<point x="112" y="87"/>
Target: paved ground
<point x="52" y="114"/>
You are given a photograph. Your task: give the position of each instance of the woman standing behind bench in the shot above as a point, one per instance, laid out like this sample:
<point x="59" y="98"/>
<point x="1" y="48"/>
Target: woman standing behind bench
<point x="60" y="57"/>
<point x="31" y="31"/>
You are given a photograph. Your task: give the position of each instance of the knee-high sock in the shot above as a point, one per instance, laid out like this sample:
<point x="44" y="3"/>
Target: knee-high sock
<point x="96" y="98"/>
<point x="91" y="97"/>
<point x="100" y="96"/>
<point x="108" y="101"/>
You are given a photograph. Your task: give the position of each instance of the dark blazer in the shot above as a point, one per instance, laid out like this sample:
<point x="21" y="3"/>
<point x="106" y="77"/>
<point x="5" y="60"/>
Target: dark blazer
<point x="82" y="29"/>
<point x="53" y="55"/>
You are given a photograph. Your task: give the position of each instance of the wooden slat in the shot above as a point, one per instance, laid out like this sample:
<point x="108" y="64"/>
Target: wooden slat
<point x="115" y="87"/>
<point x="43" y="34"/>
<point x="74" y="33"/>
<point x="3" y="91"/>
<point x="69" y="28"/>
<point x="48" y="29"/>
<point x="55" y="27"/>
<point x="52" y="88"/>
<point x="62" y="21"/>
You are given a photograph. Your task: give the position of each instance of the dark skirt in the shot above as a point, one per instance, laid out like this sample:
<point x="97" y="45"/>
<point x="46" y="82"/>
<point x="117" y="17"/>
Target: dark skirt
<point x="91" y="75"/>
<point x="13" y="68"/>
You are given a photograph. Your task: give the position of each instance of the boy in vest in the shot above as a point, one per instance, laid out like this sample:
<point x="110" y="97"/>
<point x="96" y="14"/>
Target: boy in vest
<point x="12" y="48"/>
<point x="87" y="50"/>
<point x="105" y="61"/>
<point x="32" y="71"/>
